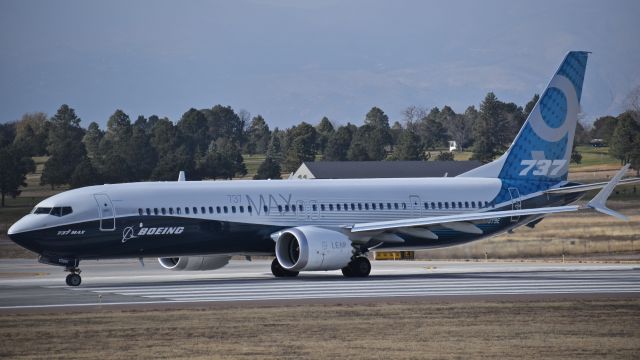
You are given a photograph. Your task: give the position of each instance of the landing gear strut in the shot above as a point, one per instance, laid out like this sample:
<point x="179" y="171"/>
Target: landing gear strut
<point x="73" y="279"/>
<point x="358" y="267"/>
<point x="278" y="271"/>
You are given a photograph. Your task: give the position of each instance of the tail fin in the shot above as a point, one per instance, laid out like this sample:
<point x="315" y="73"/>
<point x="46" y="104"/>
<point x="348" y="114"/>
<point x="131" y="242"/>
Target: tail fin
<point x="539" y="156"/>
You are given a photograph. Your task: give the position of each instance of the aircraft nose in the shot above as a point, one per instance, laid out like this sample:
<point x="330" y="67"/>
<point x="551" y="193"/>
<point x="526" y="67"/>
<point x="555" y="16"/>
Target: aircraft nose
<point x="17" y="228"/>
<point x="18" y="233"/>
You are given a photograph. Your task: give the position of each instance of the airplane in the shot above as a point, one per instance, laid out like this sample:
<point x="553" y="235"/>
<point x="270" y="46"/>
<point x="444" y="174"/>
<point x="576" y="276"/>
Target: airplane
<point x="322" y="225"/>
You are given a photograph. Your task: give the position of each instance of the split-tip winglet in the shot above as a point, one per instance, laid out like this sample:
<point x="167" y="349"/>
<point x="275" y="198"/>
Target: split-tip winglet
<point x="599" y="202"/>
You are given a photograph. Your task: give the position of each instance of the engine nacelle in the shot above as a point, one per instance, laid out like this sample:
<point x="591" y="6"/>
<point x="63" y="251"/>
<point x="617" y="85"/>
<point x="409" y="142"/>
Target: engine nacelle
<point x="194" y="263"/>
<point x="308" y="248"/>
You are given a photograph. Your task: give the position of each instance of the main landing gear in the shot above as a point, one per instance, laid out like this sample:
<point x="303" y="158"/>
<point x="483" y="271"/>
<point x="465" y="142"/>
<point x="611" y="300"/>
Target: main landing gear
<point x="73" y="279"/>
<point x="360" y="266"/>
<point x="278" y="271"/>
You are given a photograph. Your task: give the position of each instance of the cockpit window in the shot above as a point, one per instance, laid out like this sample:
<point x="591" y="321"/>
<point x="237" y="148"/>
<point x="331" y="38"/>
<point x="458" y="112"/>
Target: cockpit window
<point x="56" y="211"/>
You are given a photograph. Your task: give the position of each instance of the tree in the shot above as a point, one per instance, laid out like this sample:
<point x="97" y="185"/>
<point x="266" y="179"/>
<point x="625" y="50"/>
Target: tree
<point x="368" y="144"/>
<point x="91" y="140"/>
<point x="141" y="156"/>
<point x="338" y="145"/>
<point x="32" y="132"/>
<point x="302" y="146"/>
<point x="324" y="131"/>
<point x="408" y="147"/>
<point x="623" y="141"/>
<point x="193" y="126"/>
<point x="170" y="165"/>
<point x="269" y="169"/>
<point x="222" y="160"/>
<point x="258" y="136"/>
<point x="274" y="149"/>
<point x="223" y="122"/>
<point x="490" y="130"/>
<point x="7" y="134"/>
<point x="530" y="105"/>
<point x="377" y="118"/>
<point x="603" y="128"/>
<point x="14" y="167"/>
<point x="65" y="136"/>
<point x="432" y="132"/>
<point x="85" y="174"/>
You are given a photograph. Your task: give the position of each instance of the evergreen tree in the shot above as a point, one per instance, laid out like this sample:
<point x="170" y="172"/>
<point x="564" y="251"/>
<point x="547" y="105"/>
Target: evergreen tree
<point x="530" y="105"/>
<point x="258" y="136"/>
<point x="269" y="169"/>
<point x="274" y="149"/>
<point x="409" y="147"/>
<point x="489" y="131"/>
<point x="338" y="145"/>
<point x="32" y="132"/>
<point x="302" y="146"/>
<point x="223" y="122"/>
<point x="64" y="146"/>
<point x="193" y="127"/>
<point x="14" y="167"/>
<point x="170" y="164"/>
<point x="603" y="128"/>
<point x="91" y="140"/>
<point x="377" y="118"/>
<point x="324" y="131"/>
<point x="623" y="141"/>
<point x="84" y="175"/>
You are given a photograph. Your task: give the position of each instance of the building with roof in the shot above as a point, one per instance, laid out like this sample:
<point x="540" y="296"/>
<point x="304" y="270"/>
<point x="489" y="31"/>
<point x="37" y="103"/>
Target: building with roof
<point x="381" y="169"/>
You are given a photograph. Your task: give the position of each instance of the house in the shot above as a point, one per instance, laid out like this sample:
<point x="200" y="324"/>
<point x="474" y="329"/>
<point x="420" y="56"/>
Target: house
<point x="381" y="169"/>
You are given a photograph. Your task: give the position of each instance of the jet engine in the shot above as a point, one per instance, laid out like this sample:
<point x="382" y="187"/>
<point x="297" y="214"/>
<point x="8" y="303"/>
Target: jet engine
<point x="308" y="248"/>
<point x="194" y="263"/>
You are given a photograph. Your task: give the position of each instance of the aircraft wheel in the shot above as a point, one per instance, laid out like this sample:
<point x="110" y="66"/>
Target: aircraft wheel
<point x="73" y="279"/>
<point x="358" y="267"/>
<point x="278" y="271"/>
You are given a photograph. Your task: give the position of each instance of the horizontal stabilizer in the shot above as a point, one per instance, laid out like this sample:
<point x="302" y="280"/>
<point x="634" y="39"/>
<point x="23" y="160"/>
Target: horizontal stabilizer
<point x="587" y="187"/>
<point x="599" y="202"/>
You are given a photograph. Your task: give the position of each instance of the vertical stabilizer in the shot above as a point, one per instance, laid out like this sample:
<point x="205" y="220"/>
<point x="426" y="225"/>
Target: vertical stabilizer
<point x="539" y="156"/>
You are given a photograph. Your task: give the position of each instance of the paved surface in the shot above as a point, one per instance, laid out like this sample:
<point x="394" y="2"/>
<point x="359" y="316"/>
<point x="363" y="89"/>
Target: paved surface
<point x="25" y="284"/>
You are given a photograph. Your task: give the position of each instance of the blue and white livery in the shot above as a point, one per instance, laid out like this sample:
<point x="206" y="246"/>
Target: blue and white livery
<point x="315" y="225"/>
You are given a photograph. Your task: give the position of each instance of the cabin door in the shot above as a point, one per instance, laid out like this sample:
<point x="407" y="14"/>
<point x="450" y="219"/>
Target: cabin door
<point x="515" y="202"/>
<point x="106" y="212"/>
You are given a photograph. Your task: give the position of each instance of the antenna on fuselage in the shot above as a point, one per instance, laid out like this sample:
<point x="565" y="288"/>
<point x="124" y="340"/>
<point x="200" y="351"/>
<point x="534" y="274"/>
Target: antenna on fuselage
<point x="181" y="176"/>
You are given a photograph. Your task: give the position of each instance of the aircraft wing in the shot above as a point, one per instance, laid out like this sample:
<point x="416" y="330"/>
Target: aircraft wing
<point x="463" y="222"/>
<point x="587" y="187"/>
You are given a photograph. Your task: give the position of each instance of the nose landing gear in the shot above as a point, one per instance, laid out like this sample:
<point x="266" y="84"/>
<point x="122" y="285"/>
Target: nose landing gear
<point x="73" y="279"/>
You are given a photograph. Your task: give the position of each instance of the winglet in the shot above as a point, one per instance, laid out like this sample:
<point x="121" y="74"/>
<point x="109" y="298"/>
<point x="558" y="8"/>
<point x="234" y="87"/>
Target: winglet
<point x="599" y="202"/>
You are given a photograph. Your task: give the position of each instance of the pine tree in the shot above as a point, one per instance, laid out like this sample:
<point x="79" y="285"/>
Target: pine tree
<point x="409" y="147"/>
<point x="623" y="141"/>
<point x="14" y="167"/>
<point x="490" y="131"/>
<point x="269" y="169"/>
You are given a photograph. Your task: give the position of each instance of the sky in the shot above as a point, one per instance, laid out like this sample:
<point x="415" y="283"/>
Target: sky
<point x="293" y="61"/>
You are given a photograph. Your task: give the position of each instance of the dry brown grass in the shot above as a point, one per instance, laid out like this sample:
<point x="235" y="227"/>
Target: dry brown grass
<point x="558" y="329"/>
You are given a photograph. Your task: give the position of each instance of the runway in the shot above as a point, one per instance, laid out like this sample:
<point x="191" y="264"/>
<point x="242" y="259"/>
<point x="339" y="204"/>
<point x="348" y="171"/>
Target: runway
<point x="25" y="284"/>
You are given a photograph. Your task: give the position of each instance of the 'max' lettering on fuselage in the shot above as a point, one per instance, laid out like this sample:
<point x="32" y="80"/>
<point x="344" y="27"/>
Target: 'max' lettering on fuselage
<point x="271" y="201"/>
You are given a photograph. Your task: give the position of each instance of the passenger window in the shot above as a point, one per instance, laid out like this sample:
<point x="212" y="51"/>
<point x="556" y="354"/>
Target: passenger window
<point x="346" y="207"/>
<point x="218" y="209"/>
<point x="249" y="209"/>
<point x="148" y="211"/>
<point x="373" y="206"/>
<point x="226" y="209"/>
<point x="466" y="204"/>
<point x="286" y="208"/>
<point x="426" y="206"/>
<point x="446" y="204"/>
<point x="186" y="210"/>
<point x="338" y="207"/>
<point x="178" y="210"/>
<point x="359" y="206"/>
<point x="388" y="206"/>
<point x="210" y="209"/>
<point x="395" y="206"/>
<point x="330" y="207"/>
<point x="321" y="207"/>
<point x="171" y="211"/>
<point x="404" y="206"/>
<point x="366" y="206"/>
<point x="473" y="204"/>
<point x="155" y="211"/>
<point x="439" y="205"/>
<point x="460" y="204"/>
<point x="233" y="209"/>
<point x="486" y="204"/>
<point x="241" y="209"/>
<point x="140" y="212"/>
<point x="314" y="207"/>
<point x="279" y="208"/>
<point x="300" y="208"/>
<point x="433" y="205"/>
<point x="164" y="211"/>
<point x="353" y="206"/>
<point x="453" y="204"/>
<point x="266" y="209"/>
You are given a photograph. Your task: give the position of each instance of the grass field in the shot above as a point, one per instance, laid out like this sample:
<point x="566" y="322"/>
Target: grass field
<point x="552" y="329"/>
